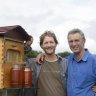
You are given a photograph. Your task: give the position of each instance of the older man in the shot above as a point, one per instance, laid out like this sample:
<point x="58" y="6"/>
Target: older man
<point x="81" y="67"/>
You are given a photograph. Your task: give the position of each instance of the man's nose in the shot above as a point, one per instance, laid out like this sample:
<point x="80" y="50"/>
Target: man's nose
<point x="49" y="44"/>
<point x="73" y="43"/>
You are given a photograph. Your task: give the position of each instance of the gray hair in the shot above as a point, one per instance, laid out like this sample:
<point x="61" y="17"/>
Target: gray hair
<point x="76" y="30"/>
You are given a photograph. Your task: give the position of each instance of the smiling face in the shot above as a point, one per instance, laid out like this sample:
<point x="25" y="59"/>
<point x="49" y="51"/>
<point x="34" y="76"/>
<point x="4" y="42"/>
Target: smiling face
<point x="49" y="45"/>
<point x="76" y="43"/>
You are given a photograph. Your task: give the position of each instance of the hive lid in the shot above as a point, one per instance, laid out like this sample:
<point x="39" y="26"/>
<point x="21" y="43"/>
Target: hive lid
<point x="14" y="32"/>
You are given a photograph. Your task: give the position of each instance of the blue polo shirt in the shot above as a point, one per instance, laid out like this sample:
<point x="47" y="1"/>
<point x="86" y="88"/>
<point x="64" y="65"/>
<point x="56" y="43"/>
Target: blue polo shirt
<point x="81" y="75"/>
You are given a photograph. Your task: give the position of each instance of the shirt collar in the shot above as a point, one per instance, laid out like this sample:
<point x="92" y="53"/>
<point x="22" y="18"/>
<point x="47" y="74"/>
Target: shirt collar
<point x="85" y="56"/>
<point x="59" y="57"/>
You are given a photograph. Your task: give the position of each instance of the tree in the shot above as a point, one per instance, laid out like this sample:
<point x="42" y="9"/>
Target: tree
<point x="34" y="53"/>
<point x="31" y="54"/>
<point x="64" y="54"/>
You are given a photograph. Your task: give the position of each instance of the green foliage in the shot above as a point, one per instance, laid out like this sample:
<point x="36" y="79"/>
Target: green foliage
<point x="64" y="54"/>
<point x="31" y="54"/>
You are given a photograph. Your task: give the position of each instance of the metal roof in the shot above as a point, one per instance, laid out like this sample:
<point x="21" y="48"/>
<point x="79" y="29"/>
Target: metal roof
<point x="15" y="28"/>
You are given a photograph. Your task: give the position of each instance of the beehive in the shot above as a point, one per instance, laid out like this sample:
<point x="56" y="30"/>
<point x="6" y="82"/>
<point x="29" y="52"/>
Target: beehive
<point x="11" y="51"/>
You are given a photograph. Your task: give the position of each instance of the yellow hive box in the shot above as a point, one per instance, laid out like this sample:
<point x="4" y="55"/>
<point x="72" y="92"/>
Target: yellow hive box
<point x="11" y="51"/>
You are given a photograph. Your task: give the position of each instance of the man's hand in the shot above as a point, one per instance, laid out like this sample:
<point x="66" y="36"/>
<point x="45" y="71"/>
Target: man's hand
<point x="94" y="89"/>
<point x="40" y="58"/>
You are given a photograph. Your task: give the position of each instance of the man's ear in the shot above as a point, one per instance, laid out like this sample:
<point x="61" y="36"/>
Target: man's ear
<point x="84" y="40"/>
<point x="41" y="46"/>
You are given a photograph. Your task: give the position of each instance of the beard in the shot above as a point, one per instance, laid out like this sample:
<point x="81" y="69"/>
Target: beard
<point x="49" y="52"/>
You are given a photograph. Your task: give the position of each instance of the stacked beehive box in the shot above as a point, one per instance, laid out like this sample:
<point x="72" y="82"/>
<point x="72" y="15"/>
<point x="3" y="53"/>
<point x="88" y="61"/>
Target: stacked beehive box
<point x="11" y="51"/>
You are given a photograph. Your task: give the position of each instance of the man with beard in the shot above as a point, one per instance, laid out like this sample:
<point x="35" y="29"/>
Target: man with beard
<point x="50" y="76"/>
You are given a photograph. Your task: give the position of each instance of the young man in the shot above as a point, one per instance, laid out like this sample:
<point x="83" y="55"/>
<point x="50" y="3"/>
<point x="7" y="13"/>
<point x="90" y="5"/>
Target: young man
<point x="81" y="66"/>
<point x="51" y="74"/>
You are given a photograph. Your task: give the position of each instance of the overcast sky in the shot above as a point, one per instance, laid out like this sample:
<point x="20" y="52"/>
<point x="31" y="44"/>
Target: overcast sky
<point x="60" y="16"/>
